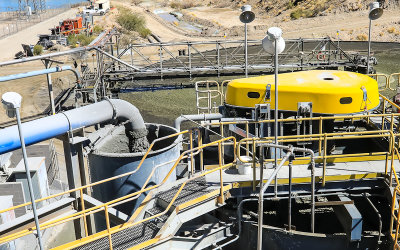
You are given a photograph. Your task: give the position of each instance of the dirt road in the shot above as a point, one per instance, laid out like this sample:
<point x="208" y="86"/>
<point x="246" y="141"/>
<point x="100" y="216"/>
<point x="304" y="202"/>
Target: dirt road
<point x="33" y="90"/>
<point x="12" y="44"/>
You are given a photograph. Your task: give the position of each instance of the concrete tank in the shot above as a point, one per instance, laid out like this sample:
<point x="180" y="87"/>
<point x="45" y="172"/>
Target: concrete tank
<point x="111" y="157"/>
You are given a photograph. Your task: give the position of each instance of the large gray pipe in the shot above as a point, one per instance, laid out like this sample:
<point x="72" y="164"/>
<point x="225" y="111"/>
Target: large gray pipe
<point x="101" y="112"/>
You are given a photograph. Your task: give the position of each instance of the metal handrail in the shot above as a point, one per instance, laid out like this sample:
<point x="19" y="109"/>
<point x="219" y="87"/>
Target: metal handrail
<point x="122" y="227"/>
<point x="209" y="96"/>
<point x="393" y="216"/>
<point x="102" y="181"/>
<point x="376" y="77"/>
<point x="80" y="189"/>
<point x="324" y="137"/>
<point x="398" y="80"/>
<point x="126" y="198"/>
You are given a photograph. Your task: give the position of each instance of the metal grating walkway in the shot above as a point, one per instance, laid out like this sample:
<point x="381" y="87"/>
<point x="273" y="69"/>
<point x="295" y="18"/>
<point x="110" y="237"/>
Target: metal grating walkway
<point x="145" y="231"/>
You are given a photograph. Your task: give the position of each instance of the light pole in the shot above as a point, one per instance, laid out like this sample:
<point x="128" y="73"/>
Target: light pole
<point x="375" y="12"/>
<point x="274" y="44"/>
<point x="12" y="104"/>
<point x="247" y="16"/>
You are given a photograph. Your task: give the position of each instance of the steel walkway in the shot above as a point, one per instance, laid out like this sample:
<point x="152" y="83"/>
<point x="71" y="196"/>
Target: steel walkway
<point x="193" y="194"/>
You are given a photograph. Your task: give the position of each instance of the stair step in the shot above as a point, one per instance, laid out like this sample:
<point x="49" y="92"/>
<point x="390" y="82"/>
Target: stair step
<point x="145" y="231"/>
<point x="192" y="190"/>
<point x="156" y="210"/>
<point x="124" y="239"/>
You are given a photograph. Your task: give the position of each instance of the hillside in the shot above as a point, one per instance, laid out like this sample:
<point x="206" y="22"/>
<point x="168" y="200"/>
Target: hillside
<point x="297" y="18"/>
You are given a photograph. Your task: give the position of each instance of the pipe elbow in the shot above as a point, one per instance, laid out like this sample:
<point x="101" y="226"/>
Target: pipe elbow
<point x="135" y="128"/>
<point x="76" y="73"/>
<point x="124" y="111"/>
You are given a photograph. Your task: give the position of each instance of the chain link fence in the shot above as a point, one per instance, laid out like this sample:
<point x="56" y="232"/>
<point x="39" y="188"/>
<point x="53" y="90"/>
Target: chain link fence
<point x="12" y="21"/>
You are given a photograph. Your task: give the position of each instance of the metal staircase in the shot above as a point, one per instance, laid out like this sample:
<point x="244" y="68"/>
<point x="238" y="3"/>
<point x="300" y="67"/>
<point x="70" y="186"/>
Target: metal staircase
<point x="196" y="198"/>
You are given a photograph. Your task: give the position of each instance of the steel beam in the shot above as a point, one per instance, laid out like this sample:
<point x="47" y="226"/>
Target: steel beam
<point x="350" y="218"/>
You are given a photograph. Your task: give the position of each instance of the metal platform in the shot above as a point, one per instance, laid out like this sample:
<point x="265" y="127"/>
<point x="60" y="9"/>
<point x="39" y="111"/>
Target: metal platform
<point x="137" y="234"/>
<point x="301" y="173"/>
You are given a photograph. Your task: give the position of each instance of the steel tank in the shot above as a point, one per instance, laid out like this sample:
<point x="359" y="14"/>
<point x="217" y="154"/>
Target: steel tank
<point x="110" y="157"/>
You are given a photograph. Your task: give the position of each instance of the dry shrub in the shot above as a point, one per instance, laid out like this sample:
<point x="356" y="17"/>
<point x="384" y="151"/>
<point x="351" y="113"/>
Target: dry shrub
<point x="136" y="2"/>
<point x="362" y="37"/>
<point x="132" y="22"/>
<point x="177" y="4"/>
<point x="391" y="30"/>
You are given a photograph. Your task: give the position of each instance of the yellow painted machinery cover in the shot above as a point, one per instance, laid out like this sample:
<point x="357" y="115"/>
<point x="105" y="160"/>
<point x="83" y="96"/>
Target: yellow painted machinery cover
<point x="331" y="92"/>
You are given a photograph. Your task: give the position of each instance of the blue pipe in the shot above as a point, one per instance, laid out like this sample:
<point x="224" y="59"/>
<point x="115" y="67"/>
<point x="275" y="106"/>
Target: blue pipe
<point x="39" y="72"/>
<point x="52" y="126"/>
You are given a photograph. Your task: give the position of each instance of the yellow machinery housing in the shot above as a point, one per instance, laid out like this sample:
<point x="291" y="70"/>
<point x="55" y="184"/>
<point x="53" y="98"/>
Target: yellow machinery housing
<point x="331" y="92"/>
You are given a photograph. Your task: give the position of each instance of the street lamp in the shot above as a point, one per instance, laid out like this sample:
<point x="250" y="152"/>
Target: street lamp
<point x="375" y="12"/>
<point x="12" y="104"/>
<point x="247" y="16"/>
<point x="274" y="44"/>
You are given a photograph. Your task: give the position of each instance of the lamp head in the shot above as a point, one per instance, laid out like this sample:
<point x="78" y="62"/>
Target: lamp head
<point x="11" y="101"/>
<point x="247" y="16"/>
<point x="274" y="33"/>
<point x="274" y="36"/>
<point x="375" y="11"/>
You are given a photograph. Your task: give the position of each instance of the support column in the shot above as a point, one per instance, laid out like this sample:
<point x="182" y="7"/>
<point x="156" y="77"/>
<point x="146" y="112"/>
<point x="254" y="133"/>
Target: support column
<point x="84" y="178"/>
<point x="47" y="64"/>
<point x="72" y="168"/>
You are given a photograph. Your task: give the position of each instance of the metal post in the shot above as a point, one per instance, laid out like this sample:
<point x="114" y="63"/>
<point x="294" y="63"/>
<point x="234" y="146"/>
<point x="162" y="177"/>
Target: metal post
<point x="245" y="49"/>
<point x="312" y="192"/>
<point x="190" y="61"/>
<point x="290" y="198"/>
<point x="28" y="177"/>
<point x="47" y="64"/>
<point x="260" y="200"/>
<point x="161" y="62"/>
<point x="218" y="61"/>
<point x="302" y="53"/>
<point x="263" y="188"/>
<point x="369" y="45"/>
<point x="338" y="40"/>
<point x="73" y="177"/>
<point x="131" y="54"/>
<point x="276" y="102"/>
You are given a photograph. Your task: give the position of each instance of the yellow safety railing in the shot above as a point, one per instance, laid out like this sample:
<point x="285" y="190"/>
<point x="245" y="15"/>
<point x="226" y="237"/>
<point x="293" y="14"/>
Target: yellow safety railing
<point x="387" y="80"/>
<point x="81" y="192"/>
<point x="324" y="138"/>
<point x="395" y="218"/>
<point x="398" y="80"/>
<point x="321" y="138"/>
<point x="377" y="76"/>
<point x="104" y="207"/>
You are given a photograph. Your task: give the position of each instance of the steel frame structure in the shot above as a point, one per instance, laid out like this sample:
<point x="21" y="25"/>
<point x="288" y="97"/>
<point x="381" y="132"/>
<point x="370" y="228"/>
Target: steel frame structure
<point x="188" y="59"/>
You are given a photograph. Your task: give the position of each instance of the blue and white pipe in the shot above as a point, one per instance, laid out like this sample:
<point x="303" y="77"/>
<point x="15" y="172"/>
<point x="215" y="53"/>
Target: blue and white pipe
<point x="56" y="125"/>
<point x="40" y="72"/>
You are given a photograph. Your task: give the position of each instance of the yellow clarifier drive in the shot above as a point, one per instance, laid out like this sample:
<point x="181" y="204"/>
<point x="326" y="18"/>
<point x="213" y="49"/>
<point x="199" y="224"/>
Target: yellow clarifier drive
<point x="331" y="92"/>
